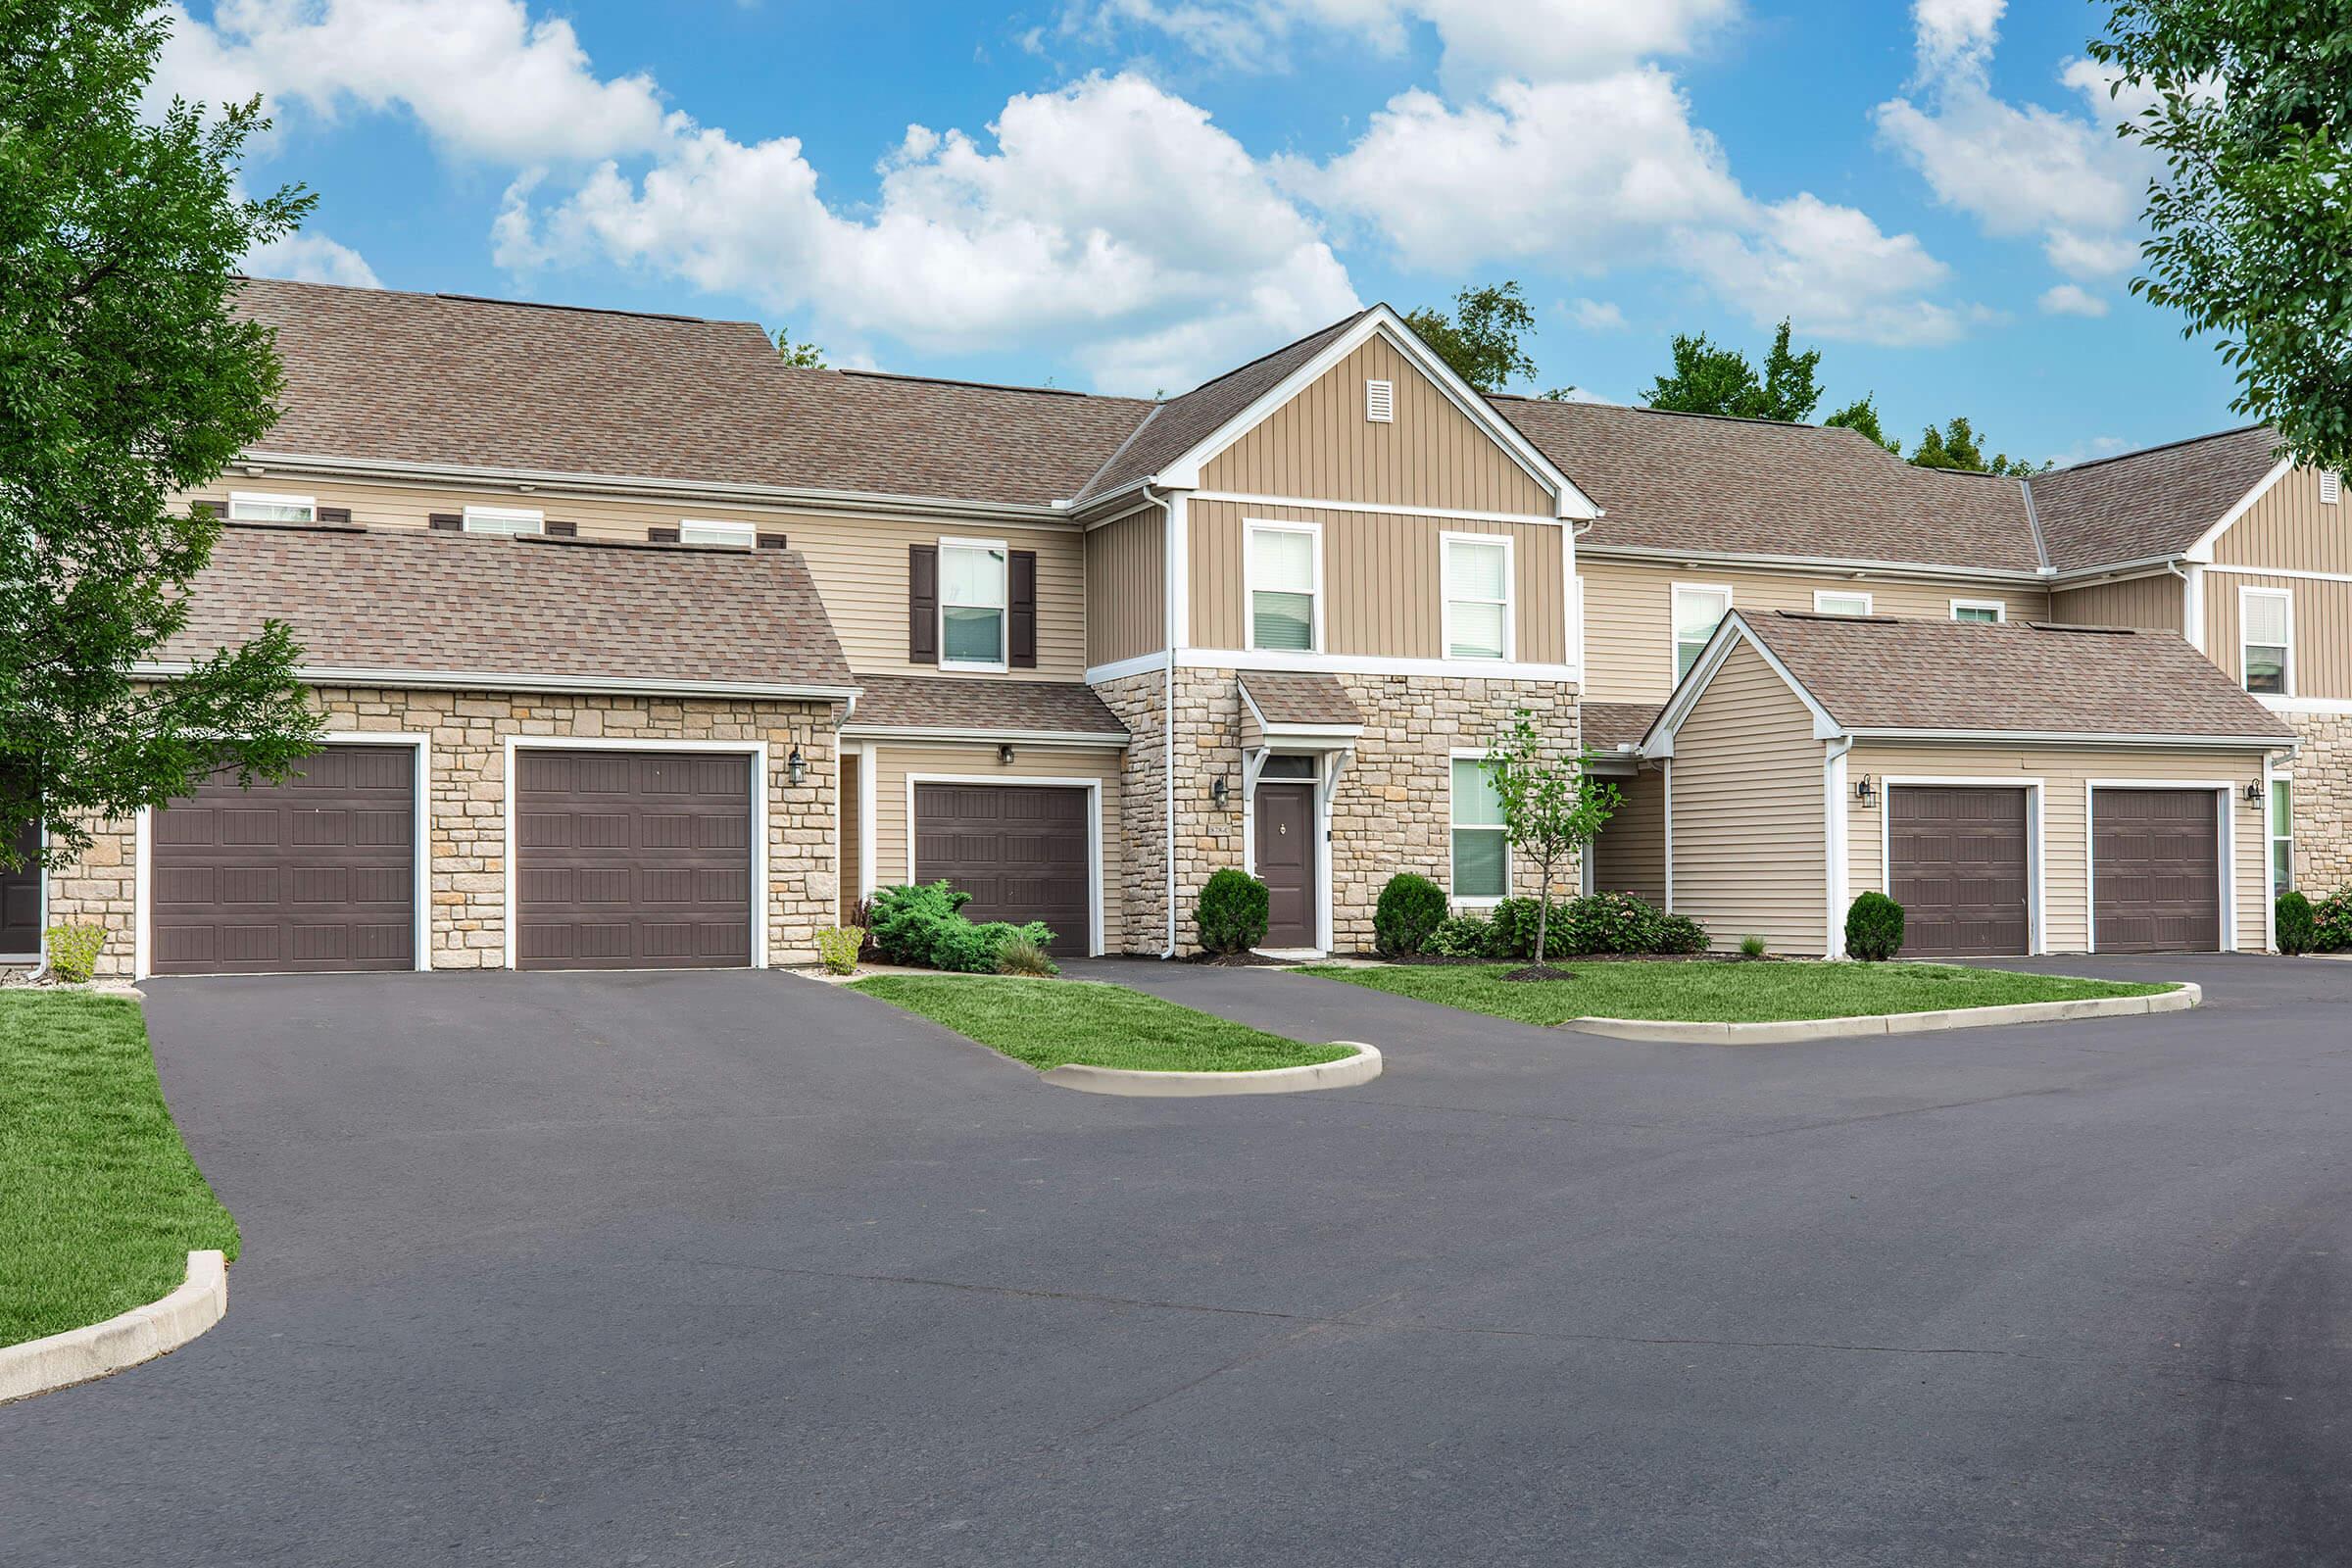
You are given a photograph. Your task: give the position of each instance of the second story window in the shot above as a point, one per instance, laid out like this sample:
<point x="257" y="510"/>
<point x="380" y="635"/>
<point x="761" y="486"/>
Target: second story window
<point x="1992" y="611"/>
<point x="2266" y="637"/>
<point x="738" y="535"/>
<point x="1698" y="611"/>
<point x="246" y="506"/>
<point x="971" y="605"/>
<point x="504" y="520"/>
<point x="1826" y="602"/>
<point x="1478" y="597"/>
<point x="1285" y="570"/>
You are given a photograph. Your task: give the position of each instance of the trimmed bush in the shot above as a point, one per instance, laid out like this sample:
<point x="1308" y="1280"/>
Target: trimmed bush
<point x="925" y="926"/>
<point x="838" y="947"/>
<point x="1461" y="936"/>
<point x="1410" y="908"/>
<point x="1595" y="923"/>
<point x="1020" y="954"/>
<point x="2298" y="924"/>
<point x="1874" y="929"/>
<point x="1678" y="933"/>
<point x="74" y="951"/>
<point x="2331" y="921"/>
<point x="1233" y="912"/>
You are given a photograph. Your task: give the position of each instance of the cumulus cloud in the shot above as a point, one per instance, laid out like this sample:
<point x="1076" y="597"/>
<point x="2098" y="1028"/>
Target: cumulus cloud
<point x="1597" y="315"/>
<point x="310" y="259"/>
<point x="2071" y="299"/>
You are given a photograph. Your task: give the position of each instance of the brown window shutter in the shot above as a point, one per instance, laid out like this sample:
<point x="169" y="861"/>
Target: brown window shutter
<point x="562" y="531"/>
<point x="206" y="508"/>
<point x="1020" y="631"/>
<point x="774" y="541"/>
<point x="661" y="536"/>
<point x="922" y="604"/>
<point x="447" y="522"/>
<point x="337" y="515"/>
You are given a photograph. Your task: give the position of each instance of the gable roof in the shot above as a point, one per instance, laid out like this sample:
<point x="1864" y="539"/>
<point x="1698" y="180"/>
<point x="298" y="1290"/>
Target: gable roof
<point x="408" y="602"/>
<point x="999" y="707"/>
<point x="1291" y="698"/>
<point x="2145" y="505"/>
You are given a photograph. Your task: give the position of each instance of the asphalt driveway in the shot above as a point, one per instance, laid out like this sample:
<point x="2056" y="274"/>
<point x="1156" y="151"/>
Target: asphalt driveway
<point x="738" y="1269"/>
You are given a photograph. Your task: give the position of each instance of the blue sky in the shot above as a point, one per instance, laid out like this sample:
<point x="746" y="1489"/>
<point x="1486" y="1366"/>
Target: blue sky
<point x="1130" y="195"/>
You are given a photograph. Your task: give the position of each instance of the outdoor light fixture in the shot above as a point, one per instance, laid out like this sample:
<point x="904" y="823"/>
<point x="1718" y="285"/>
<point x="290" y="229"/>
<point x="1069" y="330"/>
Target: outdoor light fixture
<point x="2254" y="793"/>
<point x="1864" y="790"/>
<point x="1217" y="790"/>
<point x="1005" y="753"/>
<point x="798" y="766"/>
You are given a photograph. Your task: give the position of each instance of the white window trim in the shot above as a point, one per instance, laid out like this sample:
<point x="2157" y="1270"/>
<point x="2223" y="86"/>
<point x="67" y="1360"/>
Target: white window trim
<point x="1093" y="832"/>
<point x="2287" y="597"/>
<point x="1819" y="594"/>
<point x="1673" y="621"/>
<point x="995" y="666"/>
<point x="1472" y="900"/>
<point x="530" y="514"/>
<point x="259" y="498"/>
<point x="1252" y="527"/>
<point x="744" y="535"/>
<point x="39" y="955"/>
<point x="2271" y="838"/>
<point x="1511" y="596"/>
<point x="1999" y="606"/>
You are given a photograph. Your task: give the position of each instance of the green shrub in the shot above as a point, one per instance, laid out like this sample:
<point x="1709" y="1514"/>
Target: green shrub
<point x="1874" y="929"/>
<point x="1461" y="936"/>
<point x="2332" y="922"/>
<point x="905" y="920"/>
<point x="838" y="948"/>
<point x="1751" y="945"/>
<point x="2298" y="925"/>
<point x="1410" y="908"/>
<point x="1021" y="953"/>
<point x="962" y="947"/>
<point x="1678" y="933"/>
<point x="74" y="951"/>
<point x="1232" y="913"/>
<point x="1595" y="923"/>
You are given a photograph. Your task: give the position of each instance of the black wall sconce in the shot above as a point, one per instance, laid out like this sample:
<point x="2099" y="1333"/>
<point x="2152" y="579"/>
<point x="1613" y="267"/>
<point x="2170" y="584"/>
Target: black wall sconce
<point x="797" y="766"/>
<point x="1005" y="753"/>
<point x="1865" y="790"/>
<point x="1217" y="790"/>
<point x="2254" y="794"/>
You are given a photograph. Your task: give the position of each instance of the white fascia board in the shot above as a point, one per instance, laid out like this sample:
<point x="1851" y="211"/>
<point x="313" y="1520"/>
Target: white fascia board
<point x="2081" y="738"/>
<point x="2202" y="551"/>
<point x="513" y="681"/>
<point x="1647" y="555"/>
<point x="988" y="737"/>
<point x="1658" y="740"/>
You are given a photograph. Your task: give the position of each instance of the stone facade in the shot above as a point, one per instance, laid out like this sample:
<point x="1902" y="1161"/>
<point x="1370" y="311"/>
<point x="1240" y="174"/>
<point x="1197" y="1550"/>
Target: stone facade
<point x="468" y="732"/>
<point x="2323" y="792"/>
<point x="1391" y="812"/>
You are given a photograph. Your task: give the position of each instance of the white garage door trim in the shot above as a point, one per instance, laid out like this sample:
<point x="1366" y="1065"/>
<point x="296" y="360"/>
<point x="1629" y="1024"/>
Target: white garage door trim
<point x="2226" y="877"/>
<point x="143" y="845"/>
<point x="757" y="750"/>
<point x="2037" y="882"/>
<point x="1093" y="832"/>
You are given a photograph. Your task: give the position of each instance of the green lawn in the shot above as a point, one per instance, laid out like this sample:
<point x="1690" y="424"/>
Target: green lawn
<point x="1723" y="993"/>
<point x="1047" y="1023"/>
<point x="99" y="1202"/>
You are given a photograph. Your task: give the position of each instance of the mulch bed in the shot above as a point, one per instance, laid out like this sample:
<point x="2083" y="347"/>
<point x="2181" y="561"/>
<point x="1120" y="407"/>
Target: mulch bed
<point x="1239" y="960"/>
<point x="1540" y="971"/>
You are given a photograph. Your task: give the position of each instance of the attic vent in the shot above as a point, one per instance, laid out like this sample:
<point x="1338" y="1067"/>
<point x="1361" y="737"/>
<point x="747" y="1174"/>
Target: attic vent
<point x="2331" y="487"/>
<point x="1380" y="402"/>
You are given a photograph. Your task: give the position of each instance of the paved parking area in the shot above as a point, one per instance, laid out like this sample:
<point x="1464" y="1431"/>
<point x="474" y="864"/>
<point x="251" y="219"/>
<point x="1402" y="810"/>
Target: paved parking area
<point x="713" y="1270"/>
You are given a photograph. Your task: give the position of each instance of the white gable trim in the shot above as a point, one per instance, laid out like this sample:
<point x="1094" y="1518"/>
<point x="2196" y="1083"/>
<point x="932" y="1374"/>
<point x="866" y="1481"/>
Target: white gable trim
<point x="1184" y="472"/>
<point x="2202" y="551"/>
<point x="1734" y="631"/>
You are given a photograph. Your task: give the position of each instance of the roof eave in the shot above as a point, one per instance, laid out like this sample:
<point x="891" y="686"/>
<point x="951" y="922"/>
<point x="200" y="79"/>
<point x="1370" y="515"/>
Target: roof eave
<point x="393" y="677"/>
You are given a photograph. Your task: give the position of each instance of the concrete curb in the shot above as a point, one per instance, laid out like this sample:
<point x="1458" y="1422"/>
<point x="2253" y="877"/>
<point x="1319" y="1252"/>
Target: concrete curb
<point x="139" y="1334"/>
<point x="1360" y="1068"/>
<point x="1886" y="1023"/>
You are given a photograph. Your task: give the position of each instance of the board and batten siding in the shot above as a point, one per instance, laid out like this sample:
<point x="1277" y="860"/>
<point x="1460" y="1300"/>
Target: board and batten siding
<point x="2292" y="527"/>
<point x="2065" y="873"/>
<point x="1630" y="854"/>
<point x="1750" y="818"/>
<point x="892" y="763"/>
<point x="1383" y="580"/>
<point x="859" y="561"/>
<point x="2152" y="604"/>
<point x="1319" y="446"/>
<point x="1126" y="587"/>
<point x="2323" y="630"/>
<point x="1629" y="612"/>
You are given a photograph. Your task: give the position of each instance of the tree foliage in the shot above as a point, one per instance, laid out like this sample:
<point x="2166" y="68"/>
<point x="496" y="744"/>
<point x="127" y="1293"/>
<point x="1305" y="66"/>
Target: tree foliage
<point x="2250" y="229"/>
<point x="124" y="379"/>
<point x="1481" y="338"/>
<point x="1956" y="446"/>
<point x="1550" y="804"/>
<point x="1862" y="415"/>
<point x="799" y="356"/>
<point x="1708" y="378"/>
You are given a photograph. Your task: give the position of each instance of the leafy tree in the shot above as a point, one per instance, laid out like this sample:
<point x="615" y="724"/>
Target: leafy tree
<point x="1792" y="391"/>
<point x="1550" y="804"/>
<point x="1863" y="415"/>
<point x="1481" y="338"/>
<point x="2250" y="232"/>
<point x="799" y="356"/>
<point x="1708" y="378"/>
<point x="125" y="379"/>
<point x="1955" y="446"/>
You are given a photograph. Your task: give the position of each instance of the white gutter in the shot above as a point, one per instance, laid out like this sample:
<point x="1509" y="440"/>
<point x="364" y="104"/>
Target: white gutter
<point x="514" y="681"/>
<point x="1777" y="562"/>
<point x="1024" y="737"/>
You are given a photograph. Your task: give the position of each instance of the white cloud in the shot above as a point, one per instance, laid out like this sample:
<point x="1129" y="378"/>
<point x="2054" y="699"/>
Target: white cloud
<point x="310" y="259"/>
<point x="1597" y="315"/>
<point x="1832" y="271"/>
<point x="2071" y="299"/>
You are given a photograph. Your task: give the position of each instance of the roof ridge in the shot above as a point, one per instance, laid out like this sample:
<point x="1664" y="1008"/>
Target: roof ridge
<point x="988" y="386"/>
<point x="2141" y="451"/>
<point x="487" y="299"/>
<point x="1120" y="451"/>
<point x="1345" y="320"/>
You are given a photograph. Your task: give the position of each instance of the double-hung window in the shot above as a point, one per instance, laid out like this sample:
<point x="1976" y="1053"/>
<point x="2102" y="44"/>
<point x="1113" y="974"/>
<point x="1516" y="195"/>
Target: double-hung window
<point x="2282" y="835"/>
<point x="2266" y="637"/>
<point x="247" y="506"/>
<point x="1698" y="611"/>
<point x="971" y="605"/>
<point x="737" y="535"/>
<point x="504" y="520"/>
<point x="1284" y="574"/>
<point x="1477" y="596"/>
<point x="1481" y="850"/>
<point x="1992" y="611"/>
<point x="1828" y="602"/>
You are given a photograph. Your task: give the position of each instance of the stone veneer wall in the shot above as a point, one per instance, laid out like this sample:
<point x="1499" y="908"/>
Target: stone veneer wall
<point x="1392" y="812"/>
<point x="467" y="827"/>
<point x="2323" y="771"/>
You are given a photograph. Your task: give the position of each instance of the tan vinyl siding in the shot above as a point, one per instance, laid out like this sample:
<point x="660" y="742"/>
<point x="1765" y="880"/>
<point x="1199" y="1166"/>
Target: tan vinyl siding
<point x="2065" y="871"/>
<point x="1319" y="446"/>
<point x="1629" y="613"/>
<point x="892" y="763"/>
<point x="858" y="561"/>
<point x="2290" y="527"/>
<point x="1126" y="587"/>
<point x="1630" y="854"/>
<point x="852" y="764"/>
<point x="1383" y="580"/>
<point x="2154" y="603"/>
<point x="1750" y="850"/>
<point x="2322" y="629"/>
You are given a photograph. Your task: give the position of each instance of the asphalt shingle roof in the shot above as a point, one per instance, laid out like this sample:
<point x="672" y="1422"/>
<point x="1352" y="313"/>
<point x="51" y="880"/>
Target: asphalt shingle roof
<point x="1301" y="697"/>
<point x="1609" y="725"/>
<point x="2147" y="503"/>
<point x="947" y="701"/>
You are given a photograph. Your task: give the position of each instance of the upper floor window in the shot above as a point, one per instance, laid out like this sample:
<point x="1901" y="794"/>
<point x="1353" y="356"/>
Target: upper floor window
<point x="739" y="535"/>
<point x="1477" y="596"/>
<point x="1827" y="602"/>
<point x="249" y="507"/>
<point x="1284" y="574"/>
<point x="504" y="520"/>
<point x="971" y="604"/>
<point x="1698" y="611"/>
<point x="1482" y="848"/>
<point x="2265" y="638"/>
<point x="1989" y="611"/>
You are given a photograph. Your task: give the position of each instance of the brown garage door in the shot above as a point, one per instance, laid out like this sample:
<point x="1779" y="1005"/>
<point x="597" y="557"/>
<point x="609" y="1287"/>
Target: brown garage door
<point x="632" y="860"/>
<point x="1958" y="859"/>
<point x="2156" y="864"/>
<point x="20" y="898"/>
<point x="1018" y="849"/>
<point x="317" y="873"/>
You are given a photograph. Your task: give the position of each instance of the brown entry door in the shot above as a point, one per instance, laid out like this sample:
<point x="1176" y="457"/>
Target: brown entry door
<point x="632" y="860"/>
<point x="1019" y="850"/>
<point x="1286" y="862"/>
<point x="21" y="899"/>
<point x="314" y="874"/>
<point x="2156" y="871"/>
<point x="1958" y="860"/>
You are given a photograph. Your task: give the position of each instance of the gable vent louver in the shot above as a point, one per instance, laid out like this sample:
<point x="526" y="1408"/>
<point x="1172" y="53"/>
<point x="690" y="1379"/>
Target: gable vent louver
<point x="2331" y="487"/>
<point x="1380" y="402"/>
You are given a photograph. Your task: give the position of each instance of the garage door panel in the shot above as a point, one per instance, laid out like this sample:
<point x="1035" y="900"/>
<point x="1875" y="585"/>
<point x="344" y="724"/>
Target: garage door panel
<point x="2156" y="871"/>
<point x="1020" y="851"/>
<point x="1957" y="858"/>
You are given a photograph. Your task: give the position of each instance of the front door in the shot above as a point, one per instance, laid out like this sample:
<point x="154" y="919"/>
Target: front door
<point x="21" y="899"/>
<point x="1286" y="862"/>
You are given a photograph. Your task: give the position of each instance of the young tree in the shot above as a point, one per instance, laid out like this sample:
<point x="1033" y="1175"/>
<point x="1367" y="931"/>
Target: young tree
<point x="1711" y="380"/>
<point x="1481" y="339"/>
<point x="1550" y="804"/>
<point x="1862" y="415"/>
<point x="2250" y="234"/>
<point x="124" y="378"/>
<point x="1955" y="446"/>
<point x="1790" y="389"/>
<point x="799" y="356"/>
